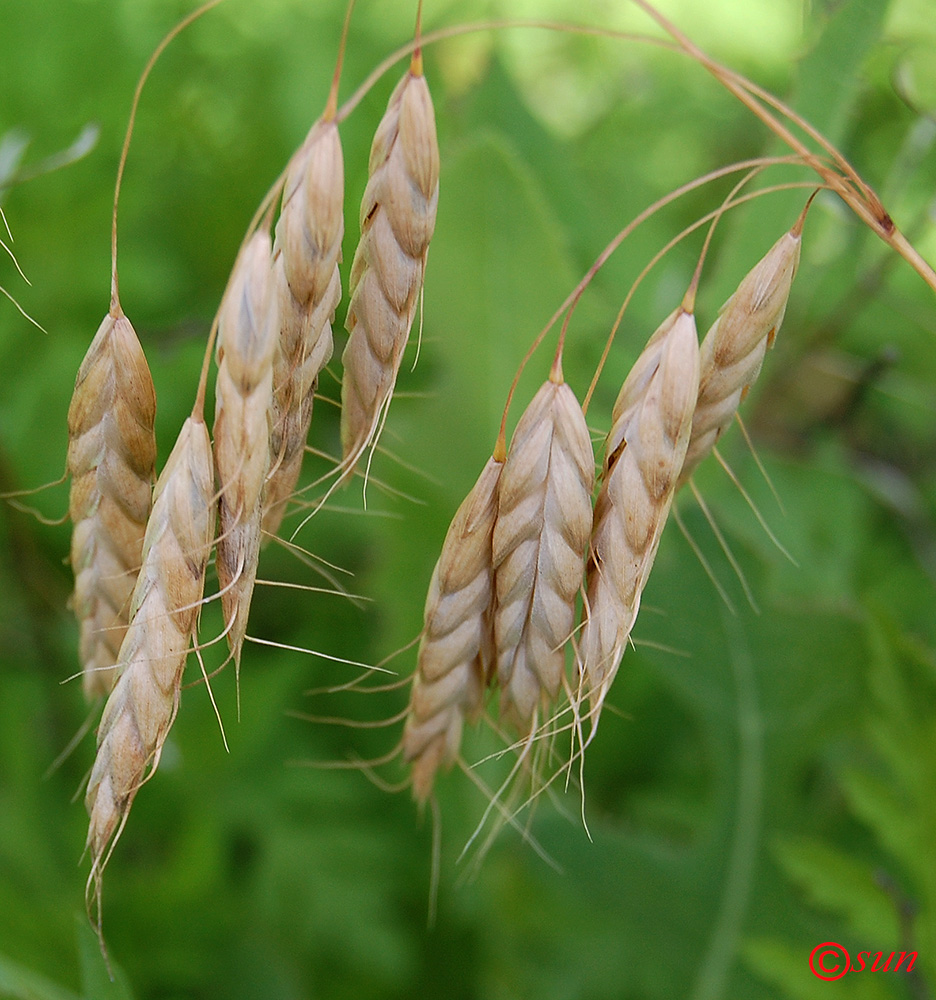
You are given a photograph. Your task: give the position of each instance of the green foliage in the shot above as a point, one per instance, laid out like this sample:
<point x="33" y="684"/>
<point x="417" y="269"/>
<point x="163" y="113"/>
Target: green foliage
<point x="768" y="784"/>
<point x="884" y="895"/>
<point x="23" y="984"/>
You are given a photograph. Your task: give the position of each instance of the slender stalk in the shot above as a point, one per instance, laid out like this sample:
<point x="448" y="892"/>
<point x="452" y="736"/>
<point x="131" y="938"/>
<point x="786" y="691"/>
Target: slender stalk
<point x="157" y="52"/>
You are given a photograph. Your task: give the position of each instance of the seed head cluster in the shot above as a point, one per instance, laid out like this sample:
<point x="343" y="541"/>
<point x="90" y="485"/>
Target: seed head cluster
<point x="548" y="543"/>
<point x="140" y="556"/>
<point x="537" y="588"/>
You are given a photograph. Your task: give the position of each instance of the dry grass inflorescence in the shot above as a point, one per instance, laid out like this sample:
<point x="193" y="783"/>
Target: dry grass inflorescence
<point x="111" y="462"/>
<point x="456" y="651"/>
<point x="163" y="617"/>
<point x="644" y="454"/>
<point x="307" y="287"/>
<point x="535" y="595"/>
<point x="247" y="339"/>
<point x="544" y="517"/>
<point x="398" y="215"/>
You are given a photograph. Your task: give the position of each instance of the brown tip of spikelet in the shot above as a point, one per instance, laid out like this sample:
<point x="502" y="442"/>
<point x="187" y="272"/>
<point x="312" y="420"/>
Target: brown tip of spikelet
<point x="111" y="459"/>
<point x="456" y="651"/>
<point x="797" y="229"/>
<point x="544" y="518"/>
<point x="416" y="62"/>
<point x="555" y="370"/>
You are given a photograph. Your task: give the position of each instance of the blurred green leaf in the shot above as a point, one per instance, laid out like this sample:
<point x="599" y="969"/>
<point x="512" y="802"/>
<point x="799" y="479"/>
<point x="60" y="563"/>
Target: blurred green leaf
<point x="98" y="982"/>
<point x="788" y="969"/>
<point x="832" y="880"/>
<point x="19" y="983"/>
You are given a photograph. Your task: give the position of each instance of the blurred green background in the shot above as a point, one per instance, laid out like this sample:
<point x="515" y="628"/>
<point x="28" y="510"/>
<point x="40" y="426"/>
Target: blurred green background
<point x="769" y="780"/>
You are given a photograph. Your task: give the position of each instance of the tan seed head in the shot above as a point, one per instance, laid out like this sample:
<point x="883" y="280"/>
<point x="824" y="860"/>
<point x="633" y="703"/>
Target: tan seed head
<point x="307" y="289"/>
<point x="544" y="519"/>
<point x="397" y="220"/>
<point x="734" y="347"/>
<point x="163" y="618"/>
<point x="111" y="458"/>
<point x="456" y="651"/>
<point x="652" y="426"/>
<point x="247" y="336"/>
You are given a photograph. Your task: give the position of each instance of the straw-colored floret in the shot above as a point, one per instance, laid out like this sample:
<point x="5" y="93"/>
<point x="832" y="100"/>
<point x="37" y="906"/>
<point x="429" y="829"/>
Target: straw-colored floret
<point x="398" y="215"/>
<point x="247" y="336"/>
<point x="163" y="619"/>
<point x="456" y="651"/>
<point x="543" y="524"/>
<point x="734" y="347"/>
<point x="308" y="287"/>
<point x="111" y="458"/>
<point x="645" y="452"/>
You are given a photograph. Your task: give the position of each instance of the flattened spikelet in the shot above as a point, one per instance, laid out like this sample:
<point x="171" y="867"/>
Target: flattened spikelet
<point x="163" y="618"/>
<point x="544" y="519"/>
<point x="247" y="335"/>
<point x="653" y="417"/>
<point x="308" y="288"/>
<point x="111" y="458"/>
<point x="397" y="220"/>
<point x="634" y="389"/>
<point x="734" y="347"/>
<point x="456" y="652"/>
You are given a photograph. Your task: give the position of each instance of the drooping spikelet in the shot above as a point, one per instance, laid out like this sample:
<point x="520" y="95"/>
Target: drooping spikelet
<point x="456" y="651"/>
<point x="734" y="347"/>
<point x="163" y="618"/>
<point x="544" y="519"/>
<point x="247" y="336"/>
<point x="634" y="389"/>
<point x="308" y="287"/>
<point x="645" y="452"/>
<point x="397" y="220"/>
<point x="111" y="458"/>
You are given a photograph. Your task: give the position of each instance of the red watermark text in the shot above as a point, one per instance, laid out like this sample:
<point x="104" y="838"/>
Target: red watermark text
<point x="831" y="961"/>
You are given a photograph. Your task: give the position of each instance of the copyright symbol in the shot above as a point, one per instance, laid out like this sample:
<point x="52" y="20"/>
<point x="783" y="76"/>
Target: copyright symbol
<point x="829" y="961"/>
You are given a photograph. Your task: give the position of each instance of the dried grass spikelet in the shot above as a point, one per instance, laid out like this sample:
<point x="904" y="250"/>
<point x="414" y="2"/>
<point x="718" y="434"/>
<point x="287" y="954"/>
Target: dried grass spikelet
<point x="734" y="347"/>
<point x="645" y="452"/>
<point x="308" y="287"/>
<point x="456" y="651"/>
<point x="397" y="220"/>
<point x="635" y="386"/>
<point x="544" y="520"/>
<point x="247" y="337"/>
<point x="163" y="619"/>
<point x="111" y="459"/>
